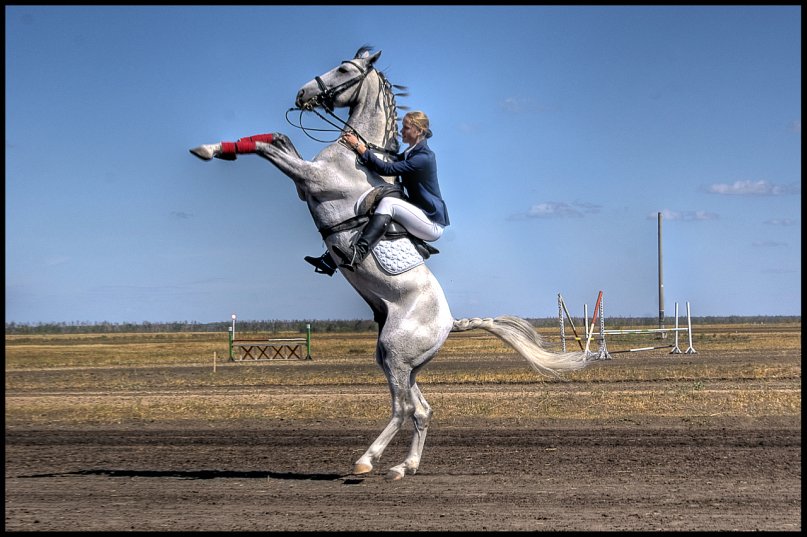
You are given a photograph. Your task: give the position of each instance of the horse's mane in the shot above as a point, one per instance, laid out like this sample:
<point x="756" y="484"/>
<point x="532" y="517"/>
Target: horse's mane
<point x="389" y="95"/>
<point x="392" y="117"/>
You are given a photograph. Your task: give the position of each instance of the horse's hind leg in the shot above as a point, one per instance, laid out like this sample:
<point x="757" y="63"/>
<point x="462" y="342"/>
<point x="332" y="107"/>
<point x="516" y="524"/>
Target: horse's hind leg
<point x="421" y="416"/>
<point x="407" y="402"/>
<point x="405" y="345"/>
<point x="401" y="408"/>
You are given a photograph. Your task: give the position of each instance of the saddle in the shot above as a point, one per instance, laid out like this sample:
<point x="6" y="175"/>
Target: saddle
<point x="394" y="230"/>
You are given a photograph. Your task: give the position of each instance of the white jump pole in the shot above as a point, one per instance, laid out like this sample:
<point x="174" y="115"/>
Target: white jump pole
<point x="691" y="349"/>
<point x="585" y="318"/>
<point x="676" y="350"/>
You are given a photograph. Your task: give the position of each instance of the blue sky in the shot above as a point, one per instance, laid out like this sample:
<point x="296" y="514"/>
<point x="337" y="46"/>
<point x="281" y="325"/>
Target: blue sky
<point x="560" y="133"/>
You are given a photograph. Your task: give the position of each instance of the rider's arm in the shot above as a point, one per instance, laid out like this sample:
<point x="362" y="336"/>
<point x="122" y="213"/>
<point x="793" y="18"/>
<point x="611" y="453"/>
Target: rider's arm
<point x="413" y="164"/>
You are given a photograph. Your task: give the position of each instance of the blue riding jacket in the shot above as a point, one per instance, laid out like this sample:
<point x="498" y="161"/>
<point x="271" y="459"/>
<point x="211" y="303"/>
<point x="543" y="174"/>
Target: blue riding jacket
<point x="417" y="172"/>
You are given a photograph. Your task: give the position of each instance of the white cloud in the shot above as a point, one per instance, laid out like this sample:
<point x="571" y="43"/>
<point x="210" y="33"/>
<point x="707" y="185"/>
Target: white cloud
<point x="469" y="128"/>
<point x="751" y="188"/>
<point x="519" y="105"/>
<point x="781" y="222"/>
<point x="552" y="209"/>
<point x="686" y="216"/>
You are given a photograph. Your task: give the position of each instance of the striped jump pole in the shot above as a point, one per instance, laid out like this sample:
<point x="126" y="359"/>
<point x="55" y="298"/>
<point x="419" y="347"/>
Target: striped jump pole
<point x="593" y="320"/>
<point x="602" y="353"/>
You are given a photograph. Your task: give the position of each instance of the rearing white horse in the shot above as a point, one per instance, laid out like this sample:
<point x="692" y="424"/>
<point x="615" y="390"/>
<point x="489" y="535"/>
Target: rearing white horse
<point x="410" y="308"/>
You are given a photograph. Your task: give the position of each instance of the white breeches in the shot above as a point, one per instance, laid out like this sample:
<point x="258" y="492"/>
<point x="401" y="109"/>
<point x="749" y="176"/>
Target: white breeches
<point x="412" y="218"/>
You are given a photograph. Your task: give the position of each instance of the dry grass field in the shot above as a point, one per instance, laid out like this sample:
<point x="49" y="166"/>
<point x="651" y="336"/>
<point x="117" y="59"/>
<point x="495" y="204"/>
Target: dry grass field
<point x="113" y="377"/>
<point x="122" y="432"/>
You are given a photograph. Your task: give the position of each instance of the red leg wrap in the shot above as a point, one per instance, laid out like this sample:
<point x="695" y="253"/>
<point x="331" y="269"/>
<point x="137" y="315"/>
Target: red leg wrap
<point x="268" y="138"/>
<point x="244" y="146"/>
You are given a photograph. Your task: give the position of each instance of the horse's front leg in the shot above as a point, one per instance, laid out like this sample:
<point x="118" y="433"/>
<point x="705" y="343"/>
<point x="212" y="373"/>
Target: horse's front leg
<point x="230" y="150"/>
<point x="282" y="142"/>
<point x="275" y="147"/>
<point x="282" y="153"/>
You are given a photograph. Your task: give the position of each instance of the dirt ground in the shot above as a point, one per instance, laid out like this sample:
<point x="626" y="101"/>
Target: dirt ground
<point x="699" y="473"/>
<point x="652" y="475"/>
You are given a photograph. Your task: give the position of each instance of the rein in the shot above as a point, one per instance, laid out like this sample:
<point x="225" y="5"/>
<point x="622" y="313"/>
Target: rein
<point x="336" y="128"/>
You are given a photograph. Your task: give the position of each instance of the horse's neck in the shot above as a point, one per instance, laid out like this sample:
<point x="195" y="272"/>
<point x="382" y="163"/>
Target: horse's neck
<point x="370" y="115"/>
<point x="333" y="199"/>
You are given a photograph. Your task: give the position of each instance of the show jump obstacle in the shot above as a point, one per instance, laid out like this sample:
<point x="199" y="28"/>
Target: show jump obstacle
<point x="269" y="349"/>
<point x="603" y="353"/>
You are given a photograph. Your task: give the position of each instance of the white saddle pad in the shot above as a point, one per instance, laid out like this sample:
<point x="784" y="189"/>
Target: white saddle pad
<point x="397" y="256"/>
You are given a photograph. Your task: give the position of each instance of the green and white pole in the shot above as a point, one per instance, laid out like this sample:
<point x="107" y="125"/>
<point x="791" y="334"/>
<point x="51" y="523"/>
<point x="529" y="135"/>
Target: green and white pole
<point x="308" y="341"/>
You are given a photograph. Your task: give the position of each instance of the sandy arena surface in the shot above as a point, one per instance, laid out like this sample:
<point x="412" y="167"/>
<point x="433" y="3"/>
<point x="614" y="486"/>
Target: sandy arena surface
<point x="722" y="475"/>
<point x="647" y="473"/>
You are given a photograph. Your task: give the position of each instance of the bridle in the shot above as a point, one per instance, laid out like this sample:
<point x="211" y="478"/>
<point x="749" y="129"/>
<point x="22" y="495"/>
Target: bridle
<point x="326" y="96"/>
<point x="325" y="99"/>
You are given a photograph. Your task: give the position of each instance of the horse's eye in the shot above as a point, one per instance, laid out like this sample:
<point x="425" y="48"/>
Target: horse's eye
<point x="342" y="69"/>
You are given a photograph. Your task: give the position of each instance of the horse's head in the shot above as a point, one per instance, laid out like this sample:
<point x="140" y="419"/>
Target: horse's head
<point x="333" y="89"/>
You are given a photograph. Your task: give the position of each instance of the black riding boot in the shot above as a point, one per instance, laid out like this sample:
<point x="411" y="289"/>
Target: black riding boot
<point x="323" y="264"/>
<point x="369" y="237"/>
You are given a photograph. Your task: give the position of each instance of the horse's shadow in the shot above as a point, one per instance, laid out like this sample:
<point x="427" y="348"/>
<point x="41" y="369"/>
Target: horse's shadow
<point x="197" y="474"/>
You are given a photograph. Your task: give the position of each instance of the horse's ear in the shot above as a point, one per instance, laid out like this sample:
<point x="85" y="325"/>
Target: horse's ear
<point x="364" y="53"/>
<point x="372" y="59"/>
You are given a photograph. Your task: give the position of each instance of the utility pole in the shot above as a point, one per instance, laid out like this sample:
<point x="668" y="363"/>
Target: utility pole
<point x="663" y="335"/>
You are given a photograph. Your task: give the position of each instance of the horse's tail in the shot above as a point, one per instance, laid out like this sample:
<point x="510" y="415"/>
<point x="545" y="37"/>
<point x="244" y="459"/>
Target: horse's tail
<point x="520" y="335"/>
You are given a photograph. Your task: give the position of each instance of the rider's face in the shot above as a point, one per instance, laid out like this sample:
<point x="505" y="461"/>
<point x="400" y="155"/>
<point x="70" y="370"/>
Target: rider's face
<point x="409" y="133"/>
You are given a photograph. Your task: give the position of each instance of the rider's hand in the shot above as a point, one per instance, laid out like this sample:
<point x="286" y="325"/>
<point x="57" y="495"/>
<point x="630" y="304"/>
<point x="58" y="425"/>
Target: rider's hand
<point x="351" y="140"/>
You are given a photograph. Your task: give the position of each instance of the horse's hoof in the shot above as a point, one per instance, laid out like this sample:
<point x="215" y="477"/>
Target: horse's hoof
<point x="204" y="152"/>
<point x="394" y="475"/>
<point x="360" y="468"/>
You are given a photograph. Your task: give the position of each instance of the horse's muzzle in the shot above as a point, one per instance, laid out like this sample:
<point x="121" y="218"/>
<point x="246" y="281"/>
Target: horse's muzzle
<point x="298" y="102"/>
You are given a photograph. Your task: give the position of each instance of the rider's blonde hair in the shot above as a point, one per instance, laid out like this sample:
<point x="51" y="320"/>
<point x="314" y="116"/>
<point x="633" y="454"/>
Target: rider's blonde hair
<point x="420" y="121"/>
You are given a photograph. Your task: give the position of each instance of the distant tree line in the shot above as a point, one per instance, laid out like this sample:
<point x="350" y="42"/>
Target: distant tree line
<point x="324" y="326"/>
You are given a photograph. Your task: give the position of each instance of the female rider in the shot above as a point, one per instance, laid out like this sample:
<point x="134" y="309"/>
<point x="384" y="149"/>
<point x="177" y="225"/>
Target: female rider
<point x="424" y="212"/>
